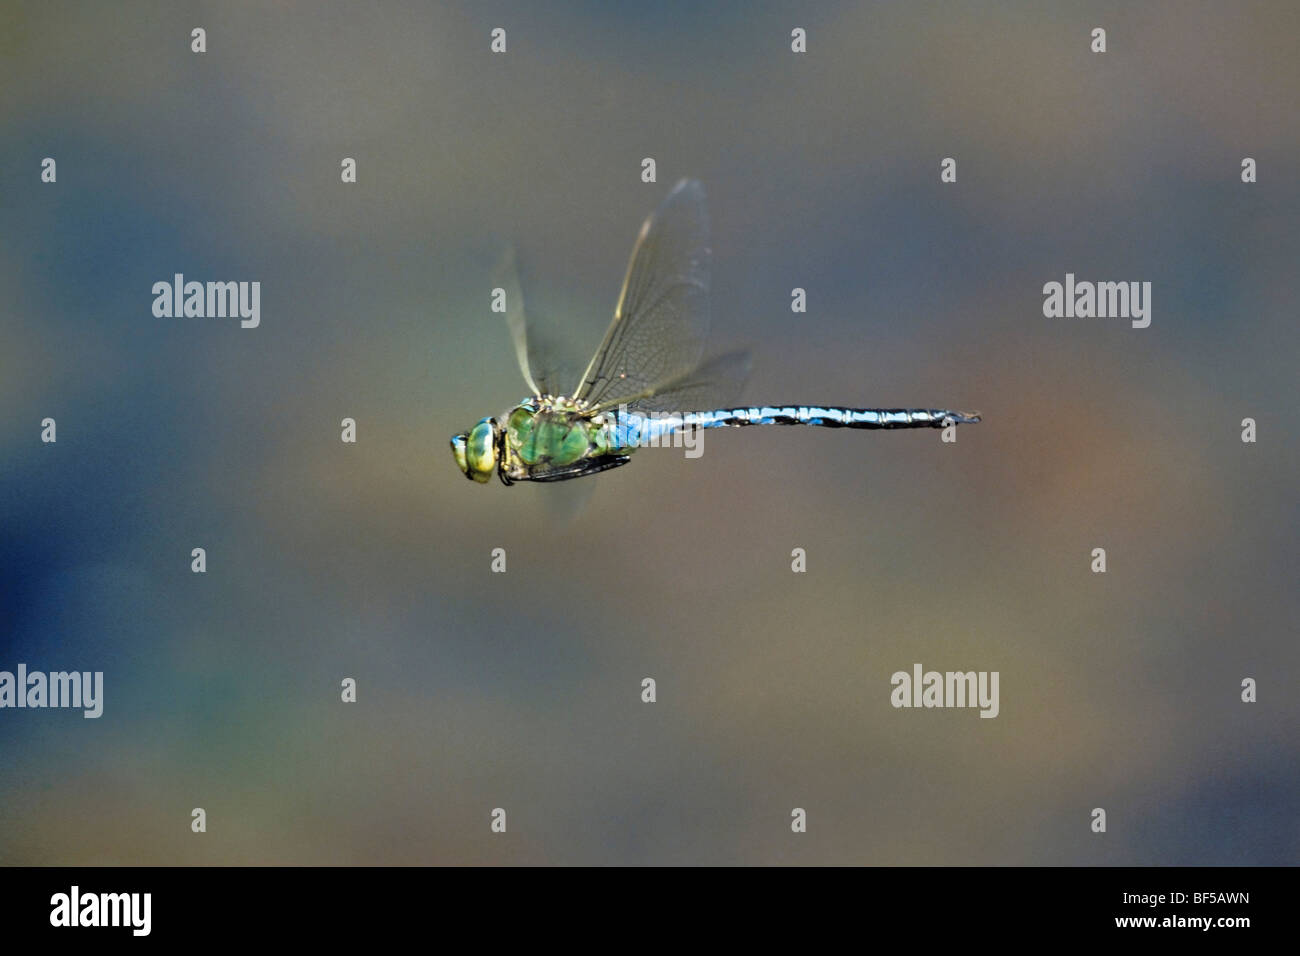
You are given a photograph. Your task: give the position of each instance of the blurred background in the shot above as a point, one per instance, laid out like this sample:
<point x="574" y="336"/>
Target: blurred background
<point x="522" y="690"/>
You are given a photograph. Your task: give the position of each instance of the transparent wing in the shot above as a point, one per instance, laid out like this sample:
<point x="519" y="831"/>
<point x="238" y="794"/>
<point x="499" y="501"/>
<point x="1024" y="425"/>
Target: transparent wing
<point x="716" y="383"/>
<point x="566" y="500"/>
<point x="507" y="279"/>
<point x="538" y="355"/>
<point x="662" y="319"/>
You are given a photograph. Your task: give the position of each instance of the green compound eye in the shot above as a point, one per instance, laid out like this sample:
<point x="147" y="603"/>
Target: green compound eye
<point x="476" y="451"/>
<point x="458" y="452"/>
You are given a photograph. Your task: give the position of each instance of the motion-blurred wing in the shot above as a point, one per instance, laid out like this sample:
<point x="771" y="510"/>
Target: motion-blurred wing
<point x="538" y="355"/>
<point x="507" y="279"/>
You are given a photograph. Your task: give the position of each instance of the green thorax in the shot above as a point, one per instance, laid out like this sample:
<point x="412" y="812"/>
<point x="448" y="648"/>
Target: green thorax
<point x="550" y="432"/>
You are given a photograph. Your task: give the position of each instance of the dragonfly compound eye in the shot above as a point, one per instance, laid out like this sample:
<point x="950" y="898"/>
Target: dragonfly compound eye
<point x="458" y="451"/>
<point x="476" y="451"/>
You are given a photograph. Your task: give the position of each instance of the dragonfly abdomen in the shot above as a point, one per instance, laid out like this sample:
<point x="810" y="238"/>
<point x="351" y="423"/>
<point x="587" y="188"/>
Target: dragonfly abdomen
<point x="825" y="416"/>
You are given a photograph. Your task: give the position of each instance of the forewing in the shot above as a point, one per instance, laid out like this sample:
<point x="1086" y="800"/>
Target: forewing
<point x="662" y="318"/>
<point x="539" y="356"/>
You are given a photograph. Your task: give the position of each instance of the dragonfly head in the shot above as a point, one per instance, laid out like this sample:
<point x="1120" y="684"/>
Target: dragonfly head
<point x="475" y="451"/>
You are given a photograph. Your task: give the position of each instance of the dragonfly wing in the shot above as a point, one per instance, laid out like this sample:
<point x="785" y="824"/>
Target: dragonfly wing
<point x="716" y="383"/>
<point x="566" y="500"/>
<point x="538" y="354"/>
<point x="662" y="318"/>
<point x="507" y="278"/>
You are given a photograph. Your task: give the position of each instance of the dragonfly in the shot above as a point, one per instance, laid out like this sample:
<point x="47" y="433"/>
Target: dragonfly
<point x="649" y="378"/>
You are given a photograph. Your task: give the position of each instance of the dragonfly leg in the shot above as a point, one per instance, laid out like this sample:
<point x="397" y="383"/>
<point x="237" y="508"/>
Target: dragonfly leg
<point x="589" y="466"/>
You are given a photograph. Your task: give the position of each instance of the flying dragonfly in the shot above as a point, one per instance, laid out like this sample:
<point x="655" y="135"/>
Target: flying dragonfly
<point x="648" y="373"/>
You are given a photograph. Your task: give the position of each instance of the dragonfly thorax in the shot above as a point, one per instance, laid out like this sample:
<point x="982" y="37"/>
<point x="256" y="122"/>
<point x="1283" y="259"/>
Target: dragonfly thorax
<point x="543" y="438"/>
